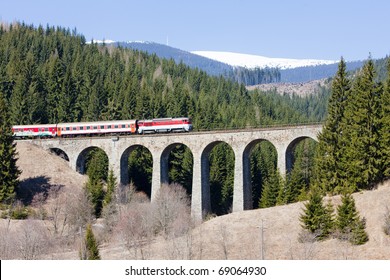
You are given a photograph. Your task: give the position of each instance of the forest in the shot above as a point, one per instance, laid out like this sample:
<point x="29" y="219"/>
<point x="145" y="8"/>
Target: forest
<point x="50" y="75"/>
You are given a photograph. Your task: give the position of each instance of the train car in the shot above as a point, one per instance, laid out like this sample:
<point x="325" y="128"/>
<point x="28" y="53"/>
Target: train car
<point x="164" y="125"/>
<point x="35" y="131"/>
<point x="97" y="128"/>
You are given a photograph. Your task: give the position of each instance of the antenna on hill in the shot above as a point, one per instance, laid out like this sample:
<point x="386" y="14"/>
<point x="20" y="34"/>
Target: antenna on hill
<point x="167" y="41"/>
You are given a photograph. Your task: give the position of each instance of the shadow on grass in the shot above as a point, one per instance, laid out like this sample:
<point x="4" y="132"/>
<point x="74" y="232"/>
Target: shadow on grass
<point x="30" y="187"/>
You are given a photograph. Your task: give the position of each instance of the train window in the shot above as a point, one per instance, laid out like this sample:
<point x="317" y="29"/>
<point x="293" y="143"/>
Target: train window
<point x="95" y="127"/>
<point x="102" y="127"/>
<point x="81" y="127"/>
<point x="88" y="127"/>
<point x="67" y="129"/>
<point x="74" y="128"/>
<point x="123" y="125"/>
<point x="116" y="126"/>
<point x="46" y="129"/>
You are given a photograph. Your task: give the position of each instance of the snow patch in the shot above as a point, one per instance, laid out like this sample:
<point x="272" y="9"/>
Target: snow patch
<point x="253" y="61"/>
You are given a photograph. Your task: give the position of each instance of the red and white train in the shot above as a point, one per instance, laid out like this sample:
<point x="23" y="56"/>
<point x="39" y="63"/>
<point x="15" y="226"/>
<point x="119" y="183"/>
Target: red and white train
<point x="121" y="127"/>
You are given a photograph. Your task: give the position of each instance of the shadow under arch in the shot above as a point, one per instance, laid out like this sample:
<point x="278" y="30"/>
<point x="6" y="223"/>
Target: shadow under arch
<point x="59" y="152"/>
<point x="290" y="151"/>
<point x="82" y="158"/>
<point x="252" y="192"/>
<point x="125" y="173"/>
<point x="206" y="201"/>
<point x="166" y="165"/>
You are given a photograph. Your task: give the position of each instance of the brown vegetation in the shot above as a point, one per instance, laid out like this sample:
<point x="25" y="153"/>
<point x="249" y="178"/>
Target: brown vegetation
<point x="133" y="228"/>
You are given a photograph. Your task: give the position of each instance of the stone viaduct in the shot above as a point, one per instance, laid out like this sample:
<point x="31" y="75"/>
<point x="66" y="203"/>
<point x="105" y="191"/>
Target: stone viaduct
<point x="118" y="150"/>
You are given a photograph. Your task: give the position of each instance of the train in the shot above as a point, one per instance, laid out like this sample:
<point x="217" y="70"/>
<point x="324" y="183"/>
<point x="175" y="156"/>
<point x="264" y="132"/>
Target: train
<point x="101" y="128"/>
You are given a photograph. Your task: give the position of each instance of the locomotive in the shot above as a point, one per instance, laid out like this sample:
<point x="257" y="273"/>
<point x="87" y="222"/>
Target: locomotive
<point x="118" y="127"/>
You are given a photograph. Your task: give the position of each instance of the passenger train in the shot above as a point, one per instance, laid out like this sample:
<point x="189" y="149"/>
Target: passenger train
<point x="120" y="127"/>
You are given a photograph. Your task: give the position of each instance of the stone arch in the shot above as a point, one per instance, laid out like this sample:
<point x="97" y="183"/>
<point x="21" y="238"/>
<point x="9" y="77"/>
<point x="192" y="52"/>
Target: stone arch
<point x="205" y="175"/>
<point x="164" y="162"/>
<point x="82" y="158"/>
<point x="124" y="166"/>
<point x="290" y="151"/>
<point x="59" y="152"/>
<point x="250" y="197"/>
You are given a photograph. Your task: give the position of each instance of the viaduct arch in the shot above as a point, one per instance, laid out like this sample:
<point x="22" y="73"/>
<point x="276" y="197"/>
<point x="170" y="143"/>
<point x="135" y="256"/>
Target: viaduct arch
<point x="118" y="149"/>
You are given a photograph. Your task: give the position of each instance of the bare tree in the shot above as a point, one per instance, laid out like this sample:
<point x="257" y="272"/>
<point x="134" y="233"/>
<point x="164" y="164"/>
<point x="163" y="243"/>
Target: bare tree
<point x="31" y="240"/>
<point x="171" y="211"/>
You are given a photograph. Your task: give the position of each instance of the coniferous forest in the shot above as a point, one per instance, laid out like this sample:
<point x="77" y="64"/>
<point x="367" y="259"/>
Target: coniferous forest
<point x="50" y="75"/>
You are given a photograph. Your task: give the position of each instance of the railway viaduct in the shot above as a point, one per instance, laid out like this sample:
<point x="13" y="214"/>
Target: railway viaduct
<point x="118" y="150"/>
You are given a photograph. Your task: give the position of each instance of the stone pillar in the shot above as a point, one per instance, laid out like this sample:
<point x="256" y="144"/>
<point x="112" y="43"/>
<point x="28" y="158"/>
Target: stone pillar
<point x="242" y="192"/>
<point x="156" y="174"/>
<point x="200" y="200"/>
<point x="281" y="150"/>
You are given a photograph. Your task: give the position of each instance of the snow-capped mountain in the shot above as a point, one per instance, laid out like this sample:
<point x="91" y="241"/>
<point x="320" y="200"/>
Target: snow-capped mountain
<point x="253" y="61"/>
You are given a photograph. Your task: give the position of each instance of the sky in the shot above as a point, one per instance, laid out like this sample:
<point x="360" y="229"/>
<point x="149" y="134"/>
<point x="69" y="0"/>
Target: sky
<point x="327" y="29"/>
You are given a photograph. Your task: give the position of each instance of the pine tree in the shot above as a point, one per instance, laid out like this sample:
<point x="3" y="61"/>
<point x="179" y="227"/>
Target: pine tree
<point x="317" y="218"/>
<point x="9" y="171"/>
<point x="91" y="246"/>
<point x="330" y="147"/>
<point x="348" y="221"/>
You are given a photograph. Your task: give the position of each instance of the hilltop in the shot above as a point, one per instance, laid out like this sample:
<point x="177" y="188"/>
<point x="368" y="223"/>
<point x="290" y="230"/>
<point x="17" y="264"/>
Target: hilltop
<point x="232" y="236"/>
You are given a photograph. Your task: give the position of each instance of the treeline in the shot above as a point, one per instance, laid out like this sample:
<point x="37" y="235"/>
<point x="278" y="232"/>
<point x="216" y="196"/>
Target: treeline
<point x="51" y="75"/>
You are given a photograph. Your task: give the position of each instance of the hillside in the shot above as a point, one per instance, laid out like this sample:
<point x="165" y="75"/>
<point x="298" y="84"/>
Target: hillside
<point x="233" y="236"/>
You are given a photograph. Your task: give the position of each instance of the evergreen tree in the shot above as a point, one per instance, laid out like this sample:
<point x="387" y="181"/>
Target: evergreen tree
<point x="273" y="192"/>
<point x="330" y="147"/>
<point x="9" y="171"/>
<point x="362" y="156"/>
<point x="111" y="185"/>
<point x="385" y="126"/>
<point x="91" y="246"/>
<point x="317" y="218"/>
<point x="97" y="166"/>
<point x="348" y="222"/>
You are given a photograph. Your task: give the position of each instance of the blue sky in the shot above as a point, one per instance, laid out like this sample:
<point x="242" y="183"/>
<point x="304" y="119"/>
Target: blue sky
<point x="325" y="29"/>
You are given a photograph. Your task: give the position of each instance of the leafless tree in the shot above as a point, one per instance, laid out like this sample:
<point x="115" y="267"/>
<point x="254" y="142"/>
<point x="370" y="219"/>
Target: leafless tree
<point x="31" y="240"/>
<point x="171" y="211"/>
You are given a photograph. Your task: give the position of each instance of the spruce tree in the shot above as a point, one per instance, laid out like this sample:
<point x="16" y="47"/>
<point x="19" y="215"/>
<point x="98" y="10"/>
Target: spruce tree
<point x="329" y="173"/>
<point x="91" y="246"/>
<point x="317" y="218"/>
<point x="111" y="185"/>
<point x="9" y="171"/>
<point x="362" y="156"/>
<point x="273" y="191"/>
<point x="348" y="221"/>
<point x="385" y="126"/>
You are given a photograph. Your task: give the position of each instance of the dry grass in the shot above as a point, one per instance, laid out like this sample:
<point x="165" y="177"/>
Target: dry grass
<point x="263" y="233"/>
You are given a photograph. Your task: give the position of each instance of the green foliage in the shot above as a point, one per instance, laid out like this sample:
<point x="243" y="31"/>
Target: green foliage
<point x="353" y="146"/>
<point x="348" y="221"/>
<point x="140" y="169"/>
<point x="97" y="166"/>
<point x="272" y="191"/>
<point x="180" y="167"/>
<point x="110" y="188"/>
<point x="91" y="246"/>
<point x="317" y="218"/>
<point x="9" y="172"/>
<point x="221" y="178"/>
